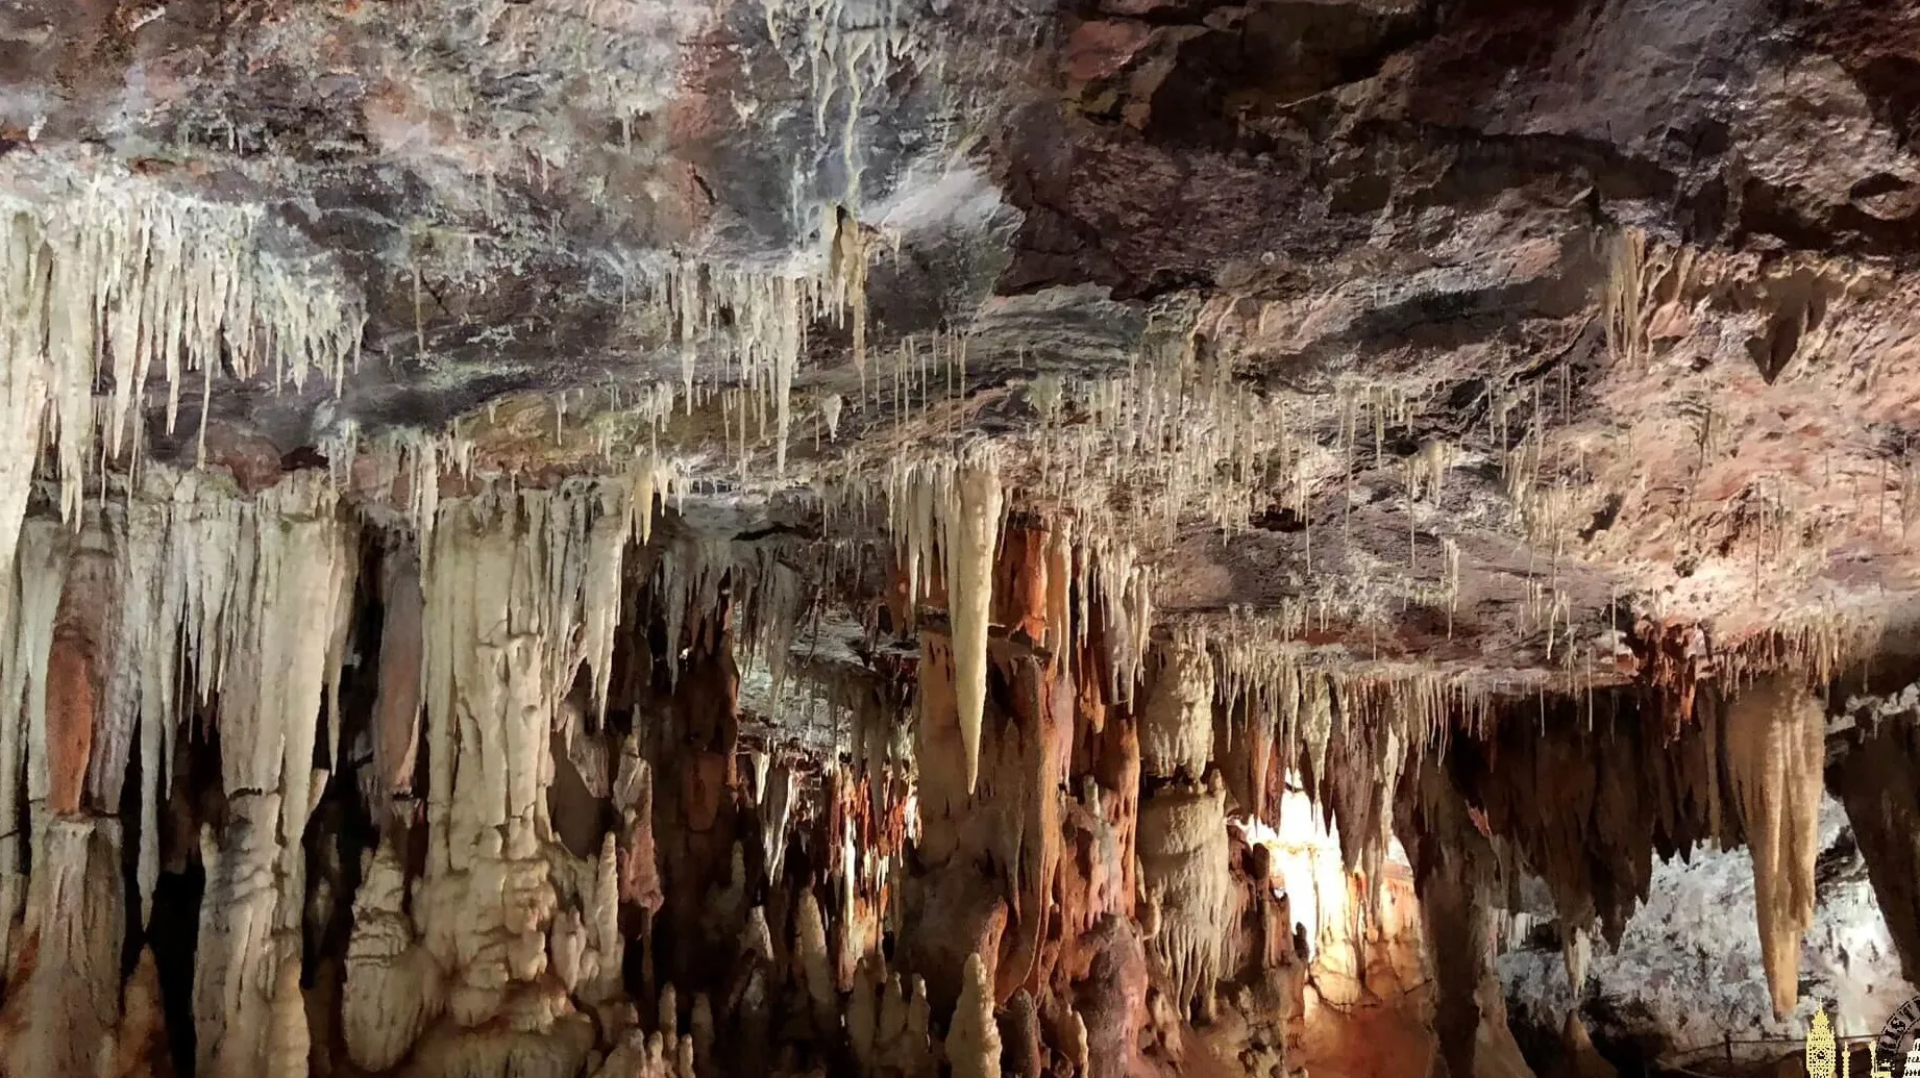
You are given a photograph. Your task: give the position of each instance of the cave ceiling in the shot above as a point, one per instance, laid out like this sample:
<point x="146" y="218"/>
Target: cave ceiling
<point x="1528" y="343"/>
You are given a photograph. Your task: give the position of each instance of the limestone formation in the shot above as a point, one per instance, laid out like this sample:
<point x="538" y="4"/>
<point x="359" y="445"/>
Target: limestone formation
<point x="1122" y="539"/>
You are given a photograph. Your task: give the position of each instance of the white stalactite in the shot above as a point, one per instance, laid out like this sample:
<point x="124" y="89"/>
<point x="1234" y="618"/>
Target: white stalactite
<point x="971" y="535"/>
<point x="113" y="266"/>
<point x="776" y="810"/>
<point x="946" y="512"/>
<point x="288" y="565"/>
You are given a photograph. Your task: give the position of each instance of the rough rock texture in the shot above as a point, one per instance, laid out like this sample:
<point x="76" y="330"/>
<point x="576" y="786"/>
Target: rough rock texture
<point x="1113" y="537"/>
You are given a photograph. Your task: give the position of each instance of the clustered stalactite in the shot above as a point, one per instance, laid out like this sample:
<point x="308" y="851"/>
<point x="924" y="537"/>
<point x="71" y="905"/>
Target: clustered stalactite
<point x="1619" y="781"/>
<point x="284" y="791"/>
<point x="306" y="794"/>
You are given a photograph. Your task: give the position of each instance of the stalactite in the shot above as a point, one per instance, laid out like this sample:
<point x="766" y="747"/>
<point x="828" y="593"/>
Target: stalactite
<point x="1176" y="726"/>
<point x="1034" y="756"/>
<point x="776" y="813"/>
<point x="77" y="666"/>
<point x="396" y="716"/>
<point x="1364" y="756"/>
<point x="765" y="317"/>
<point x="1451" y="864"/>
<point x="275" y="676"/>
<point x="1776" y="755"/>
<point x="971" y="529"/>
<point x="161" y="282"/>
<point x="954" y="506"/>
<point x="1316" y="725"/>
<point x="942" y="799"/>
<point x="1022" y="588"/>
<point x="1591" y="834"/>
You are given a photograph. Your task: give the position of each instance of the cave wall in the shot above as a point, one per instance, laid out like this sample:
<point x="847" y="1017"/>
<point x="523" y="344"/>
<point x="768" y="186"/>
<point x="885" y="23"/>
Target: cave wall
<point x="298" y="792"/>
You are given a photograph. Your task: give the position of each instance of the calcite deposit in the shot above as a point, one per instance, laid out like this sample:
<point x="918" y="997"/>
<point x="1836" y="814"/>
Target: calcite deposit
<point x="915" y="539"/>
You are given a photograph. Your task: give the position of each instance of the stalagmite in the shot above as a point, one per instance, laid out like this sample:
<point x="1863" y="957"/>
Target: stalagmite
<point x="567" y="949"/>
<point x="41" y="568"/>
<point x="393" y="986"/>
<point x="505" y="607"/>
<point x="1075" y="1043"/>
<point x="1185" y="876"/>
<point x="603" y="923"/>
<point x="900" y="1039"/>
<point x="863" y="1014"/>
<point x="141" y="1044"/>
<point x="1582" y="1059"/>
<point x="1776" y="756"/>
<point x="1451" y="863"/>
<point x="288" y="1040"/>
<point x="702" y="1033"/>
<point x="1020" y="1034"/>
<point x="64" y="994"/>
<point x="633" y="800"/>
<point x="973" y="1039"/>
<point x="816" y="966"/>
<point x="239" y="957"/>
